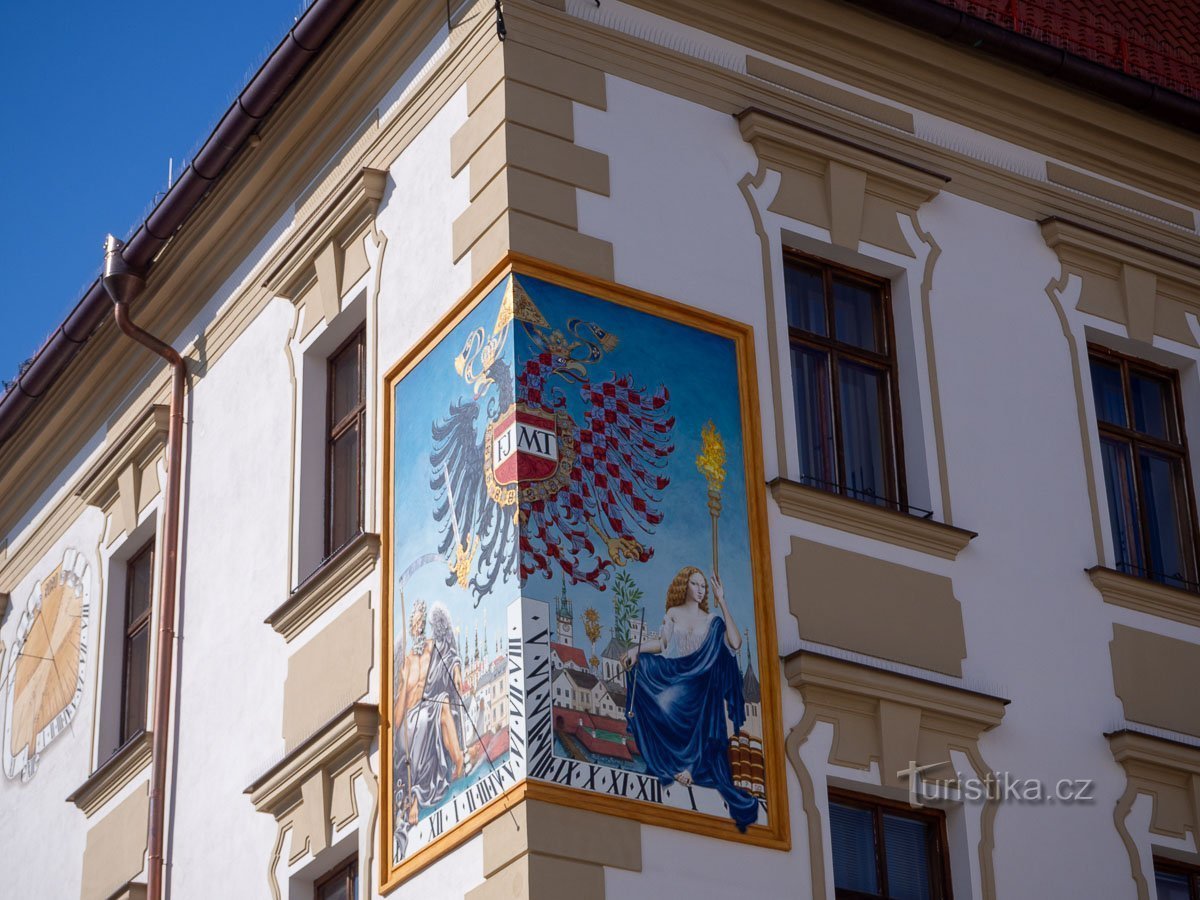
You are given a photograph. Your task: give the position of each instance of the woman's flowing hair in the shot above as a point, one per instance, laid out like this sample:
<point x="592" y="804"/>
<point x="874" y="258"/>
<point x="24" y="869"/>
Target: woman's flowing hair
<point x="677" y="590"/>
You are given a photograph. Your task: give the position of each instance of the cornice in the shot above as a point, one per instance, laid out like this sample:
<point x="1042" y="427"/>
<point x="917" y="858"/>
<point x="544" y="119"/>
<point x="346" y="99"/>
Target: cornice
<point x="812" y="504"/>
<point x="324" y="587"/>
<point x="104" y="784"/>
<point x="805" y="669"/>
<point x="1143" y="595"/>
<point x="794" y="144"/>
<point x="134" y="446"/>
<point x="347" y="735"/>
<point x="1135" y="747"/>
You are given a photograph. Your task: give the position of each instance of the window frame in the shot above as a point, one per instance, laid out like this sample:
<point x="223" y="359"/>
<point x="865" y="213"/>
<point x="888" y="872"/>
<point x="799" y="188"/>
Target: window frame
<point x="130" y="631"/>
<point x="1174" y="867"/>
<point x="887" y="361"/>
<point x="335" y="430"/>
<point x="346" y="870"/>
<point x="939" y="863"/>
<point x="1136" y="441"/>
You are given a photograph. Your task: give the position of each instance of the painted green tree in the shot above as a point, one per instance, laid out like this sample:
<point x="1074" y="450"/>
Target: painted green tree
<point x="626" y="595"/>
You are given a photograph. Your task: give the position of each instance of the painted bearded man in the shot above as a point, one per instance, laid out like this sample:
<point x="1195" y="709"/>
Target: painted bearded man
<point x="428" y="717"/>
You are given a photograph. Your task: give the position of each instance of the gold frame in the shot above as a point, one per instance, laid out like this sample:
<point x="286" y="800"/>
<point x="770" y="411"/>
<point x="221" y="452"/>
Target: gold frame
<point x="776" y="834"/>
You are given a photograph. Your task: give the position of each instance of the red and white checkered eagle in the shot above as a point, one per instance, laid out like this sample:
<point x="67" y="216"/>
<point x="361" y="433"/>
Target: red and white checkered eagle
<point x="577" y="496"/>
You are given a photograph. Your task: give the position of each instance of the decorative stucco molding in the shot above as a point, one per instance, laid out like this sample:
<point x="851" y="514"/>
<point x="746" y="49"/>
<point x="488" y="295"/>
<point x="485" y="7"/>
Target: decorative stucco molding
<point x="538" y="847"/>
<point x="125" y="479"/>
<point x="851" y="190"/>
<point x="329" y="257"/>
<point x="1167" y="771"/>
<point x="889" y="719"/>
<point x="326" y="586"/>
<point x="1144" y="595"/>
<point x="310" y="792"/>
<point x="802" y="501"/>
<point x="1155" y="677"/>
<point x="115" y="851"/>
<point x="1148" y="292"/>
<point x="104" y="784"/>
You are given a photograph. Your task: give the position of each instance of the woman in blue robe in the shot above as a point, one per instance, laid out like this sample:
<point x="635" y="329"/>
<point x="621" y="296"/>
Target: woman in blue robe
<point x="679" y="688"/>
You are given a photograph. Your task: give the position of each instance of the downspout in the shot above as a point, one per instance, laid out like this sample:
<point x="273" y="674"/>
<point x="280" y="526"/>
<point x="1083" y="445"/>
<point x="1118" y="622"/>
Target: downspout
<point x="123" y="285"/>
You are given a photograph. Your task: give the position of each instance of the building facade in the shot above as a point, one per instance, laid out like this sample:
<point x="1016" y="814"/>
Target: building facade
<point x="631" y="449"/>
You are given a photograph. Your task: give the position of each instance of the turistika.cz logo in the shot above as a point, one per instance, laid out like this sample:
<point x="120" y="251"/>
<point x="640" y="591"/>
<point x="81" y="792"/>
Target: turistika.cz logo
<point x="925" y="786"/>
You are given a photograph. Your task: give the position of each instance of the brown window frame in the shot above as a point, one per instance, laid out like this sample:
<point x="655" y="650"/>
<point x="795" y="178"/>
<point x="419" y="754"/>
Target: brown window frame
<point x="346" y="870"/>
<point x="939" y="862"/>
<point x="334" y="430"/>
<point x="131" y="630"/>
<point x="1136" y="440"/>
<point x="885" y="335"/>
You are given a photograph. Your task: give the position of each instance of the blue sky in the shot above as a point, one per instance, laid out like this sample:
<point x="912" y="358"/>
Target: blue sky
<point x="96" y="98"/>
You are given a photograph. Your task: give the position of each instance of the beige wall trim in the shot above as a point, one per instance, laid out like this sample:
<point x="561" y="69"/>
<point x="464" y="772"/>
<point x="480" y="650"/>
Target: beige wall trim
<point x="1144" y="595"/>
<point x="319" y="252"/>
<point x="131" y="891"/>
<point x="538" y="847"/>
<point x="1122" y="196"/>
<point x="1155" y="678"/>
<point x="889" y="719"/>
<point x="849" y="189"/>
<point x="125" y="479"/>
<point x="875" y="607"/>
<point x="326" y="586"/>
<point x="518" y="152"/>
<point x="4" y="601"/>
<point x="1133" y="284"/>
<point x="1168" y="772"/>
<point x="307" y="790"/>
<point x="104" y="784"/>
<point x="802" y="501"/>
<point x="115" y="851"/>
<point x="330" y="670"/>
<point x="828" y="93"/>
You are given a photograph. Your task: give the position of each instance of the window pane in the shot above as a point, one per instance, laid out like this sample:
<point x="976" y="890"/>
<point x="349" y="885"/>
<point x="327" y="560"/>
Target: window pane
<point x="133" y="703"/>
<point x="853" y="838"/>
<point x="1122" y="504"/>
<point x="805" y="299"/>
<point x="139" y="590"/>
<point x="1152" y="406"/>
<point x="1108" y="393"/>
<point x="1162" y="481"/>
<point x="862" y="391"/>
<point x="344" y="520"/>
<point x="906" y="849"/>
<point x="810" y="378"/>
<point x="334" y="890"/>
<point x="1171" y="886"/>
<point x="345" y="377"/>
<point x="854" y="311"/>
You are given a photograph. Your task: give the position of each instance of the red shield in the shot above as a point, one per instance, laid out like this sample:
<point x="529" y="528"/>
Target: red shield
<point x="524" y="446"/>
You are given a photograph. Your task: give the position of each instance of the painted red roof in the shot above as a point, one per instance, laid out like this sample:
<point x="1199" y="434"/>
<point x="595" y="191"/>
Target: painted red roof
<point x="570" y="654"/>
<point x="1155" y="40"/>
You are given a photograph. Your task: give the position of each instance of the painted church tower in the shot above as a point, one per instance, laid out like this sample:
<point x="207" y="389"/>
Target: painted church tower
<point x="564" y="617"/>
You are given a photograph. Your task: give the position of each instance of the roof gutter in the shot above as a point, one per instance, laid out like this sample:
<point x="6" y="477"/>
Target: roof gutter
<point x="961" y="28"/>
<point x="277" y="74"/>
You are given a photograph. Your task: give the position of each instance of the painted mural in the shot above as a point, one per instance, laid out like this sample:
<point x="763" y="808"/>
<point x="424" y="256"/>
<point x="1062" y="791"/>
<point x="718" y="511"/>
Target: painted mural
<point x="454" y="577"/>
<point x="639" y="546"/>
<point x="573" y="549"/>
<point x="42" y="673"/>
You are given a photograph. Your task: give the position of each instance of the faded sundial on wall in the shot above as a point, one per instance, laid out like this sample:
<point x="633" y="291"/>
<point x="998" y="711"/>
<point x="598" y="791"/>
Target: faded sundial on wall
<point x="42" y="673"/>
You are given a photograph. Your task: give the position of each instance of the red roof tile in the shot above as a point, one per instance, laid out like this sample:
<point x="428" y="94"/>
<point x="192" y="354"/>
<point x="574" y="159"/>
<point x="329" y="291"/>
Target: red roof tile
<point x="1155" y="40"/>
<point x="570" y="654"/>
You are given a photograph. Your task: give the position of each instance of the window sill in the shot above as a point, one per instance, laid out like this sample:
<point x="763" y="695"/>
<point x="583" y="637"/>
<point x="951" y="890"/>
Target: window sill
<point x="116" y="772"/>
<point x="324" y="587"/>
<point x="867" y="520"/>
<point x="1144" y="595"/>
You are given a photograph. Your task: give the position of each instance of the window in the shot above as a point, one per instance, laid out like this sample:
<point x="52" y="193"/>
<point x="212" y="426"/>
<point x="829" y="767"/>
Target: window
<point x="345" y="443"/>
<point x="135" y="648"/>
<point x="887" y="850"/>
<point x="342" y="884"/>
<point x="1145" y="460"/>
<point x="843" y="361"/>
<point x="1176" y="881"/>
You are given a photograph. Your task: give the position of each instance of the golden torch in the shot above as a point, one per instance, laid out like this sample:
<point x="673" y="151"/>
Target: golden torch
<point x="710" y="462"/>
